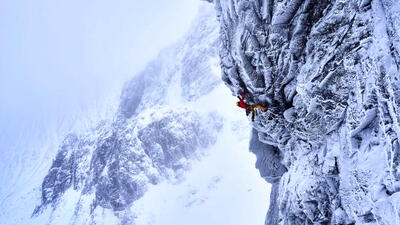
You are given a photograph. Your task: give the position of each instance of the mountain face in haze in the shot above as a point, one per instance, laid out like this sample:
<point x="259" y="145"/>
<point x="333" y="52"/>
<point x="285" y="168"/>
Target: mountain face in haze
<point x="328" y="72"/>
<point x="158" y="129"/>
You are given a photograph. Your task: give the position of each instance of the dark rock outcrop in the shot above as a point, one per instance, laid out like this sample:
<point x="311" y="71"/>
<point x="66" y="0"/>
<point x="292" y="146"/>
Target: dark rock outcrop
<point x="118" y="161"/>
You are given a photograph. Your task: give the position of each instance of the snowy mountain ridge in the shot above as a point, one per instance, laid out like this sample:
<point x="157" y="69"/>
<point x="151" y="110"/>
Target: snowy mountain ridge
<point x="173" y="152"/>
<point x="151" y="138"/>
<point x="155" y="134"/>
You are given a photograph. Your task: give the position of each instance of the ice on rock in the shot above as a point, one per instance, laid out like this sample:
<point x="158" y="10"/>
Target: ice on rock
<point x="328" y="72"/>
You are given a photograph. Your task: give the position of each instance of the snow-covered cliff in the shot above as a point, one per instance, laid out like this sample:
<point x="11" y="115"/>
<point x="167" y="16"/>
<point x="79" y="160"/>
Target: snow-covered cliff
<point x="328" y="72"/>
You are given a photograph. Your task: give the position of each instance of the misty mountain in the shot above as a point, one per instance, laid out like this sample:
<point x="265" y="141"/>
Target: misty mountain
<point x="174" y="152"/>
<point x="153" y="136"/>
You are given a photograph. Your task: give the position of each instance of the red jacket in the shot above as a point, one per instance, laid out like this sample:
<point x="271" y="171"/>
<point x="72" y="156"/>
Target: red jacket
<point x="241" y="103"/>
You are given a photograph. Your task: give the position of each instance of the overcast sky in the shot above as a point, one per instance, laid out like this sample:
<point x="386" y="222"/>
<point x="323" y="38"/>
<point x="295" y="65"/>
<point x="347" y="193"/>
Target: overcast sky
<point x="59" y="59"/>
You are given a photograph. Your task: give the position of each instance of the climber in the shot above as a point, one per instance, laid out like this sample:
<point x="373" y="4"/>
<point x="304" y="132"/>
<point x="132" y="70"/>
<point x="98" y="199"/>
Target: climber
<point x="249" y="108"/>
<point x="241" y="103"/>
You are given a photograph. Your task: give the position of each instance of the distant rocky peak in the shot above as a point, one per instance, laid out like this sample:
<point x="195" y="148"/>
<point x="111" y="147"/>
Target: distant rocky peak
<point x="153" y="137"/>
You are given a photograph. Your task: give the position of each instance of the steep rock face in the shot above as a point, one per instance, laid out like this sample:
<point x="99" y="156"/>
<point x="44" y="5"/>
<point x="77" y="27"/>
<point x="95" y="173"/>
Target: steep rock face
<point x="153" y="136"/>
<point x="117" y="162"/>
<point x="328" y="73"/>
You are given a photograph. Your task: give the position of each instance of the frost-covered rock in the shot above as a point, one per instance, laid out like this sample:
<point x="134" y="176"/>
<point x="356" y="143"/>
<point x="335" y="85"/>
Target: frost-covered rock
<point x="328" y="72"/>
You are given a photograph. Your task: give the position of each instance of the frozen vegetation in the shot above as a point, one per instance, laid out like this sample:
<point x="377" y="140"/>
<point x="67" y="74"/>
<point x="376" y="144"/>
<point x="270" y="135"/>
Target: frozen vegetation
<point x="328" y="72"/>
